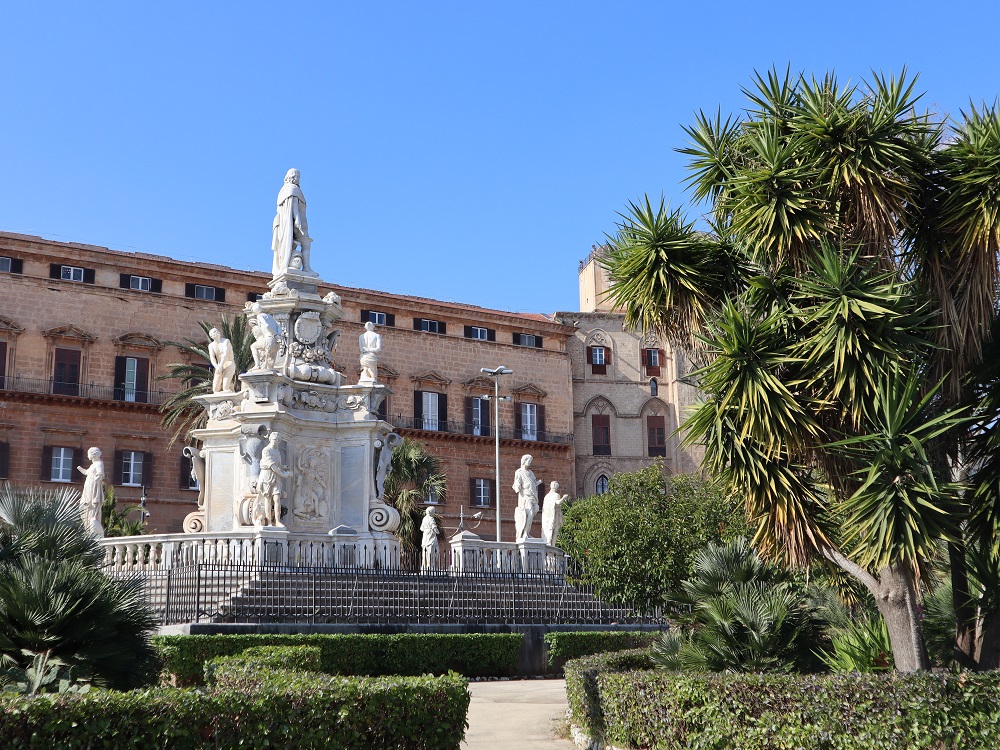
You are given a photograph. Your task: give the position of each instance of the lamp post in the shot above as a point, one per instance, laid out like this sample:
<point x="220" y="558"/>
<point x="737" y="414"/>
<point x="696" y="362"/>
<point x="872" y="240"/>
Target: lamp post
<point x="495" y="374"/>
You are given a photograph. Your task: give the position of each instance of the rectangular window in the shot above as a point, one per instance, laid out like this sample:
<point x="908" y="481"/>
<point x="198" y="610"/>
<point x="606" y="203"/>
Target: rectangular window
<point x="71" y="273"/>
<point x="430" y="326"/>
<point x="204" y="292"/>
<point x="652" y="359"/>
<point x="381" y="318"/>
<point x="4" y="265"/>
<point x="529" y="421"/>
<point x="597" y="357"/>
<point x="66" y="373"/>
<point x="131" y="365"/>
<point x="142" y="283"/>
<point x="600" y="425"/>
<point x="481" y="495"/>
<point x="431" y="497"/>
<point x="254" y="296"/>
<point x="62" y="465"/>
<point x="657" y="433"/>
<point x="131" y="379"/>
<point x="527" y="339"/>
<point x="429" y="403"/>
<point x="132" y="468"/>
<point x="477" y="415"/>
<point x="478" y="332"/>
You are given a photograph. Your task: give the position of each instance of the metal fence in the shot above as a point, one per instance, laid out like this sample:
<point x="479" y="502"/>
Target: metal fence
<point x="83" y="390"/>
<point x="256" y="593"/>
<point x="432" y="424"/>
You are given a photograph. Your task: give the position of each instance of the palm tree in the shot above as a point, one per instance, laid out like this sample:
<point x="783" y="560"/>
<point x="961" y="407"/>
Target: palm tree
<point x="116" y="521"/>
<point x="858" y="242"/>
<point x="181" y="412"/>
<point x="414" y="475"/>
<point x="55" y="601"/>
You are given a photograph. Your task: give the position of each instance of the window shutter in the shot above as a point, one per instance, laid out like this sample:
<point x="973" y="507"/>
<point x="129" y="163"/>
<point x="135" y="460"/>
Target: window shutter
<point x="416" y="323"/>
<point x="189" y="290"/>
<point x="468" y="414"/>
<point x="77" y="461"/>
<point x="220" y="294"/>
<point x="141" y="379"/>
<point x="493" y="490"/>
<point x="491" y="335"/>
<point x="119" y="379"/>
<point x="156" y="286"/>
<point x="46" y="472"/>
<point x="590" y="355"/>
<point x="442" y="327"/>
<point x="468" y="332"/>
<point x="55" y="270"/>
<point x="517" y="339"/>
<point x="517" y="420"/>
<point x="4" y="460"/>
<point x="472" y="492"/>
<point x="390" y="320"/>
<point x="538" y="342"/>
<point x="147" y="469"/>
<point x="486" y="415"/>
<point x="251" y="296"/>
<point x="663" y="357"/>
<point x="364" y="316"/>
<point x="116" y="471"/>
<point x="443" y="412"/>
<point x="88" y="278"/>
<point x="418" y="409"/>
<point x="3" y="362"/>
<point x="124" y="281"/>
<point x="607" y="355"/>
<point x="541" y="422"/>
<point x="184" y="481"/>
<point x="16" y="265"/>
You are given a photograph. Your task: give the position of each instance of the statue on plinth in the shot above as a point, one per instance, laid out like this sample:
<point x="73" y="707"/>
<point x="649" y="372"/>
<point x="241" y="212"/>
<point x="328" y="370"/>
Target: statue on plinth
<point x="220" y="353"/>
<point x="370" y="344"/>
<point x="267" y="511"/>
<point x="267" y="337"/>
<point x="92" y="498"/>
<point x="526" y="487"/>
<point x="552" y="514"/>
<point x="290" y="239"/>
<point x="429" y="542"/>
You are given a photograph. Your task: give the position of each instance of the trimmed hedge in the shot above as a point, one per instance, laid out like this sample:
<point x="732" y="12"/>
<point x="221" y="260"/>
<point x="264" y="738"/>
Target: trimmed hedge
<point x="575" y="644"/>
<point x="271" y="708"/>
<point x="472" y="655"/>
<point x="301" y="658"/>
<point x="653" y="709"/>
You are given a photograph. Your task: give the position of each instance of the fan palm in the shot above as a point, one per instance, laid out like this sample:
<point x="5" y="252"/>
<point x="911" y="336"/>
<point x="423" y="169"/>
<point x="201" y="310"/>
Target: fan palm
<point x="414" y="475"/>
<point x="181" y="413"/>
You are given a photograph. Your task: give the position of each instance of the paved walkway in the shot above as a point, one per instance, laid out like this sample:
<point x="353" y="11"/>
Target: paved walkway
<point x="516" y="714"/>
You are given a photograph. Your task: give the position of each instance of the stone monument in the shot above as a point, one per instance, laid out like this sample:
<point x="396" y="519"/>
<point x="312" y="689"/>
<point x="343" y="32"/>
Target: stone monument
<point x="552" y="514"/>
<point x="526" y="487"/>
<point x="92" y="497"/>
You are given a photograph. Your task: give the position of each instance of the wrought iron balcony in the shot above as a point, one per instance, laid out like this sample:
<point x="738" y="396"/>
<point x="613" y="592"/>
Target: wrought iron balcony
<point x="464" y="428"/>
<point x="18" y="384"/>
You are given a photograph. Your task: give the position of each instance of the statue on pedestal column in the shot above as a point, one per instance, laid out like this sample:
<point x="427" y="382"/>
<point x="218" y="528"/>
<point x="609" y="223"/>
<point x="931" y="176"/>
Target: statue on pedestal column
<point x="290" y="239"/>
<point x="370" y="344"/>
<point x="92" y="498"/>
<point x="429" y="543"/>
<point x="552" y="514"/>
<point x="269" y="493"/>
<point x="220" y="352"/>
<point x="526" y="487"/>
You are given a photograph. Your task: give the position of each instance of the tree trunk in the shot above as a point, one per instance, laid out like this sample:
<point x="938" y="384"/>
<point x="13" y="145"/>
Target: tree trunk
<point x="895" y="592"/>
<point x="965" y="615"/>
<point x="989" y="644"/>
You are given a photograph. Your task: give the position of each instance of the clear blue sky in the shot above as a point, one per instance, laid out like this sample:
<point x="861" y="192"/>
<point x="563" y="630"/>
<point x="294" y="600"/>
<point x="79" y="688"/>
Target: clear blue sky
<point x="469" y="151"/>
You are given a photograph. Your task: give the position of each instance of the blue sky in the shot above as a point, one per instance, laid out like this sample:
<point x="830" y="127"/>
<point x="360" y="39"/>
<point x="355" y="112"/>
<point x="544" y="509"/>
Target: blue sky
<point x="467" y="151"/>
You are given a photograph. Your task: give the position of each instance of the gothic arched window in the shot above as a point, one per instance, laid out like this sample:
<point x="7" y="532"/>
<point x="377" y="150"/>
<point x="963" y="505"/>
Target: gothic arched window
<point x="654" y="388"/>
<point x="602" y="484"/>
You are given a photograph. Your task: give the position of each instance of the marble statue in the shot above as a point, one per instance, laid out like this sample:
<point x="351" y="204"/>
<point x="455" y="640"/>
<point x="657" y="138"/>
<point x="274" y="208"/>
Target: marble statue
<point x="552" y="514"/>
<point x="526" y="487"/>
<point x="267" y="511"/>
<point x="220" y="352"/>
<point x="252" y="440"/>
<point x="429" y="542"/>
<point x="197" y="459"/>
<point x="92" y="498"/>
<point x="312" y="479"/>
<point x="267" y="337"/>
<point x="387" y="445"/>
<point x="290" y="239"/>
<point x="370" y="344"/>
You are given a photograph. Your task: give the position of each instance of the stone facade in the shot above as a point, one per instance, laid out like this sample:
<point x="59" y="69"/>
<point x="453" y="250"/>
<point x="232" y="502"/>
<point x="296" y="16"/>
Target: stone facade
<point x="71" y="310"/>
<point x="628" y="395"/>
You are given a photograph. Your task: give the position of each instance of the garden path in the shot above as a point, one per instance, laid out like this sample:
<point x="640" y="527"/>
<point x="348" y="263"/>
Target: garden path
<point x="516" y="714"/>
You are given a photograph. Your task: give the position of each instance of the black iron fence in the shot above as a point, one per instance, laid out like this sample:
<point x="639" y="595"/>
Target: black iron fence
<point x="62" y="388"/>
<point x="431" y="424"/>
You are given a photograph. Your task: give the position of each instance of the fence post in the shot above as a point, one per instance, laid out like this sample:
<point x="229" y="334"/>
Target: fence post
<point x="197" y="593"/>
<point x="166" y="603"/>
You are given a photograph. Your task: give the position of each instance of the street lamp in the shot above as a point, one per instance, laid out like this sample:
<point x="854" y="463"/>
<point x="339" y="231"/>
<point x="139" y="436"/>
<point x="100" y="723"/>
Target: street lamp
<point x="495" y="374"/>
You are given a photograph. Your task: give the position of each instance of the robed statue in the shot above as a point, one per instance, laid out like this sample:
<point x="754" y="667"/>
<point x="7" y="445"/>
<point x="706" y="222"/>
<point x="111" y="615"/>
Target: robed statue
<point x="290" y="239"/>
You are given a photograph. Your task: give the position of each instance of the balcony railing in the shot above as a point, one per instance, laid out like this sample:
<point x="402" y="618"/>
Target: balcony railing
<point x="100" y="392"/>
<point x="464" y="428"/>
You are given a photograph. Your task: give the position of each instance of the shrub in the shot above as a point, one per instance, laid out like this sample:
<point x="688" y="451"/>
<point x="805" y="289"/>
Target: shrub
<point x="301" y="658"/>
<point x="653" y="709"/>
<point x="473" y="655"/>
<point x="277" y="709"/>
<point x="573" y="645"/>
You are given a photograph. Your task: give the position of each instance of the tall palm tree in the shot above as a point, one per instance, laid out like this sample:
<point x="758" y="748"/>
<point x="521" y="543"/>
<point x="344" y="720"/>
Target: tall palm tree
<point x="414" y="475"/>
<point x="181" y="412"/>
<point x="861" y="242"/>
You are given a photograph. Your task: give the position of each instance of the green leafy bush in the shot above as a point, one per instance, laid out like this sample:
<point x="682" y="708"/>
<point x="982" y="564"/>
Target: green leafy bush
<point x="573" y="645"/>
<point x="301" y="658"/>
<point x="276" y="708"/>
<point x="654" y="709"/>
<point x="473" y="655"/>
<point x="861" y="646"/>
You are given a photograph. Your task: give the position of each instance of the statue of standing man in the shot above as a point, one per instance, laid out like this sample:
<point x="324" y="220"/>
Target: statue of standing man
<point x="526" y="487"/>
<point x="220" y="353"/>
<point x="370" y="344"/>
<point x="290" y="239"/>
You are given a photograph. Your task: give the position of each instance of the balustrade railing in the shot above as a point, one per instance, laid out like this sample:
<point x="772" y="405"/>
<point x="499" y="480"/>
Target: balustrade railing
<point x="431" y="424"/>
<point x="18" y="384"/>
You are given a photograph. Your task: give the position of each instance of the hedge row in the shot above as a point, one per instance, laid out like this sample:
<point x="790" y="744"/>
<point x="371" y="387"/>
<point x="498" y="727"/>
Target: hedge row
<point x="573" y="645"/>
<point x="472" y="655"/>
<point x="301" y="658"/>
<point x="271" y="708"/>
<point x="652" y="709"/>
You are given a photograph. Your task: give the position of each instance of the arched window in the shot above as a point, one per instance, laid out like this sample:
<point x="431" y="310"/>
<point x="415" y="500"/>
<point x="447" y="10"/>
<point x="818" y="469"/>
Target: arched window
<point x="654" y="387"/>
<point x="602" y="484"/>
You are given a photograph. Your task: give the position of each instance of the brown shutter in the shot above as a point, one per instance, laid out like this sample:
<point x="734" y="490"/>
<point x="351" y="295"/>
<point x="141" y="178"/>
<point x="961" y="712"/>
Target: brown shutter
<point x="517" y="339"/>
<point x="147" y="469"/>
<point x="491" y="335"/>
<point x="443" y="412"/>
<point x="472" y="492"/>
<point x="390" y="320"/>
<point x="16" y="265"/>
<point x="156" y="286"/>
<point x="538" y="341"/>
<point x="517" y="420"/>
<point x="493" y="491"/>
<point x="442" y="327"/>
<point x="4" y="460"/>
<point x="141" y="379"/>
<point x="468" y="332"/>
<point x="77" y="461"/>
<point x="418" y="410"/>
<point x="189" y="290"/>
<point x="607" y="355"/>
<point x="88" y="278"/>
<point x="220" y="294"/>
<point x="124" y="281"/>
<point x="184" y="481"/>
<point x="541" y="422"/>
<point x="468" y="414"/>
<point x="46" y="471"/>
<point x="3" y="362"/>
<point x="119" y="394"/>
<point x="486" y="415"/>
<point x="364" y="316"/>
<point x="590" y="355"/>
<point x="55" y="270"/>
<point x="417" y="323"/>
<point x="116" y="470"/>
